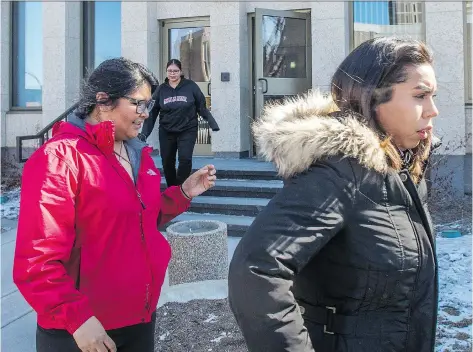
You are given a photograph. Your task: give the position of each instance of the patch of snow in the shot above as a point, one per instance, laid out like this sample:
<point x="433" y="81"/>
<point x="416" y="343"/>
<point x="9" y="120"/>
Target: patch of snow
<point x="208" y="289"/>
<point x="211" y="319"/>
<point x="11" y="207"/>
<point x="454" y="331"/>
<point x="222" y="336"/>
<point x="163" y="336"/>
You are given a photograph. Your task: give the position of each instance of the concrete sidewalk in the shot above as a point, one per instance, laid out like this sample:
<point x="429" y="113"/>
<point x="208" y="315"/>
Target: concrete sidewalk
<point x="18" y="324"/>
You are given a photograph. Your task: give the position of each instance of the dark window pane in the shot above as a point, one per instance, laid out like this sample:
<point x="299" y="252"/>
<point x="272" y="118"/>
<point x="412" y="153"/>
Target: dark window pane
<point x="27" y="54"/>
<point x="284" y="47"/>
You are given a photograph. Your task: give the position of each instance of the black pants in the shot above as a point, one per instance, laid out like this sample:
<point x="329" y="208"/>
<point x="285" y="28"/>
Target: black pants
<point x="183" y="143"/>
<point x="135" y="338"/>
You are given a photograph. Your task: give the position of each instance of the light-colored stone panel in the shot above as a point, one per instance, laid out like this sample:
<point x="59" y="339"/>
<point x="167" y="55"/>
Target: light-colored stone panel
<point x="54" y="19"/>
<point x="73" y="21"/>
<point x="443" y="6"/>
<point x="73" y="73"/>
<point x="134" y="17"/>
<point x="449" y="93"/>
<point x="5" y="68"/>
<point x="328" y="10"/>
<point x="328" y="50"/>
<point x="450" y="127"/>
<point x="54" y="71"/>
<point x="5" y="65"/>
<point x="245" y="119"/>
<point x="138" y="16"/>
<point x="286" y="5"/>
<point x="225" y="53"/>
<point x="226" y="13"/>
<point x="445" y="37"/>
<point x="468" y="128"/>
<point x="18" y="124"/>
<point x="168" y="10"/>
<point x="134" y="46"/>
<point x="4" y="102"/>
<point x="226" y="111"/>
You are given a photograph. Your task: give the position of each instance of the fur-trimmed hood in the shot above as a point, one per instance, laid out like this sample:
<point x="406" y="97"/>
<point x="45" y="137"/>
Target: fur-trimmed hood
<point x="303" y="130"/>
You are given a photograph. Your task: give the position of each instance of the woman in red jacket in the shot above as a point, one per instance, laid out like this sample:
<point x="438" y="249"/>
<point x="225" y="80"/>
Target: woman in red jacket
<point x="89" y="257"/>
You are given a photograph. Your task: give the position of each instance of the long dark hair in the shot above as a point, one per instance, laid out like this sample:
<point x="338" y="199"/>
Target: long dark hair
<point x="116" y="77"/>
<point x="365" y="79"/>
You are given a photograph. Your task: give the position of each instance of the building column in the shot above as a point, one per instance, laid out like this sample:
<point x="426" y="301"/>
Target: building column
<point x="5" y="64"/>
<point x="444" y="35"/>
<point x="140" y="40"/>
<point x="230" y="100"/>
<point x="330" y="40"/>
<point x="61" y="41"/>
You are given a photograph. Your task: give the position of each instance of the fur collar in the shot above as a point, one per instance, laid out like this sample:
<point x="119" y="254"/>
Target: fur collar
<point x="302" y="130"/>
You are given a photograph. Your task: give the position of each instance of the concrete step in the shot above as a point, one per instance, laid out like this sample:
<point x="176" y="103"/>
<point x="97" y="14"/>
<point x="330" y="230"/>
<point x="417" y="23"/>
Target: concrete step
<point x="233" y="168"/>
<point x="241" y="188"/>
<point x="236" y="225"/>
<point x="228" y="205"/>
<point x="243" y="174"/>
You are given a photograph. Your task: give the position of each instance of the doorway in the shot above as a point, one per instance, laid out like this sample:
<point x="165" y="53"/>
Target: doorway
<point x="189" y="41"/>
<point x="281" y="56"/>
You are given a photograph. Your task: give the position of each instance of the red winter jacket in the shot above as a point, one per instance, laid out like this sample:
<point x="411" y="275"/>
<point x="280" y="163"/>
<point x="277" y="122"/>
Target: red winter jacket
<point x="88" y="242"/>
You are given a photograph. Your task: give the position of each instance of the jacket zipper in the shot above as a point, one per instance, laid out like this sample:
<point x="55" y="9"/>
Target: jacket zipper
<point x="147" y="299"/>
<point x="421" y="211"/>
<point x="141" y="228"/>
<point x="141" y="216"/>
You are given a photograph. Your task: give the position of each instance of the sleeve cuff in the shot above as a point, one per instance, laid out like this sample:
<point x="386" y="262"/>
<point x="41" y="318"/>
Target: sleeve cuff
<point x="80" y="315"/>
<point x="176" y="194"/>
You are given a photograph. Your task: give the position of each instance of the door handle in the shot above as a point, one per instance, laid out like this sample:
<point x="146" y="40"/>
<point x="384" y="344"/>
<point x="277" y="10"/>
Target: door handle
<point x="266" y="85"/>
<point x="208" y="89"/>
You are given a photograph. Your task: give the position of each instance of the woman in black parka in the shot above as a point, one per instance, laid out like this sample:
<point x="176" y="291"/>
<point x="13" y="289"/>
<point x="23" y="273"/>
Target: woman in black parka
<point x="343" y="257"/>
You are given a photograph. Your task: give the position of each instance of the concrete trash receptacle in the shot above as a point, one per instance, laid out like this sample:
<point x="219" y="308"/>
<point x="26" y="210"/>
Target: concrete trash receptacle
<point x="199" y="251"/>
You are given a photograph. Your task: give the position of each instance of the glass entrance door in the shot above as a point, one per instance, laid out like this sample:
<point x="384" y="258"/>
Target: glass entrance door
<point x="281" y="56"/>
<point x="189" y="42"/>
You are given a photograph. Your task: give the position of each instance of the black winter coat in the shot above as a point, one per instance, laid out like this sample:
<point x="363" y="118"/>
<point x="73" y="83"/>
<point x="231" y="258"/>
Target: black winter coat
<point x="343" y="258"/>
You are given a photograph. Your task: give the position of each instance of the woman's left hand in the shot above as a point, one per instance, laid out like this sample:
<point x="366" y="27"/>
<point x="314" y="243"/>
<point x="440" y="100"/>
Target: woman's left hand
<point x="200" y="181"/>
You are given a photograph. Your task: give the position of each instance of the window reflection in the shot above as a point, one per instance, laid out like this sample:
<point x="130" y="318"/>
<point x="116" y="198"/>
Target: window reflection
<point x="27" y="54"/>
<point x="107" y="24"/>
<point x="192" y="47"/>
<point x="101" y="32"/>
<point x="373" y="19"/>
<point x="284" y="47"/>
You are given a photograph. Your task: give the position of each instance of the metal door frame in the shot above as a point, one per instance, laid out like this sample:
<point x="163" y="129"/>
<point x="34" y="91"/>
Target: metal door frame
<point x="254" y="20"/>
<point x="188" y="22"/>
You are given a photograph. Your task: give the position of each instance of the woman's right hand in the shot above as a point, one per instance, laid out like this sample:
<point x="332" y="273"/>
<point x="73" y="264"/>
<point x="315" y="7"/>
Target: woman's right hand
<point x="92" y="337"/>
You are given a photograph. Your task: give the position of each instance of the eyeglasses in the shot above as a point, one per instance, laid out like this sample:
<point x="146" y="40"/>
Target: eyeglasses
<point x="173" y="71"/>
<point x="141" y="105"/>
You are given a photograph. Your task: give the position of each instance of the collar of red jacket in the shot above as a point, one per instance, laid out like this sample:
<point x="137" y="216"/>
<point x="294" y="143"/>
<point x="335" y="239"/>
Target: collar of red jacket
<point x="102" y="134"/>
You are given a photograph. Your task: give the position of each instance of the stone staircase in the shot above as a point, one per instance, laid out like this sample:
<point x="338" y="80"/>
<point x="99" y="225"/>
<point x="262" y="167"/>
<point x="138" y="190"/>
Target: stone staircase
<point x="243" y="188"/>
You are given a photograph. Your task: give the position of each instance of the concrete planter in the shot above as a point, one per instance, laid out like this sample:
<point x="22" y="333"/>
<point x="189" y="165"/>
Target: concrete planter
<point x="199" y="251"/>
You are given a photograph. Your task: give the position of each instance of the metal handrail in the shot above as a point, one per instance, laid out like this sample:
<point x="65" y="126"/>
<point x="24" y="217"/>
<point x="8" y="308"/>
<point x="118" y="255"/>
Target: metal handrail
<point x="41" y="135"/>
